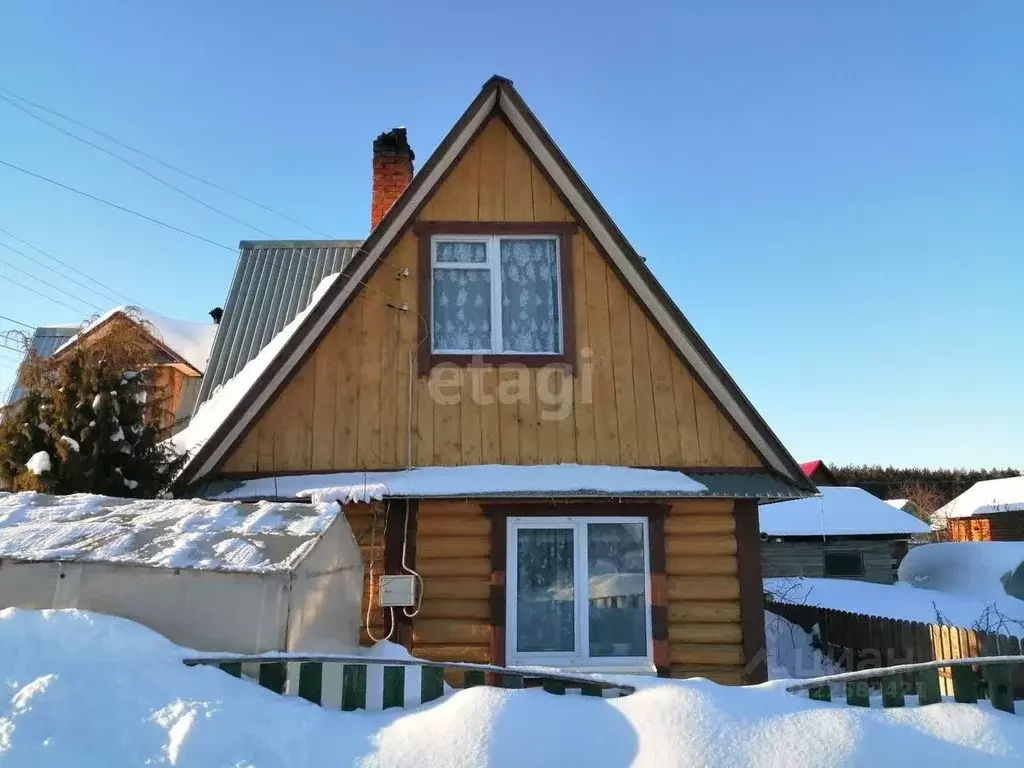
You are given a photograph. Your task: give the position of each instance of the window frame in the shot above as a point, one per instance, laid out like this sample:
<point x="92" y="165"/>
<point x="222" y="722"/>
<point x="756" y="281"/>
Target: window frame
<point x="429" y="232"/>
<point x="580" y="657"/>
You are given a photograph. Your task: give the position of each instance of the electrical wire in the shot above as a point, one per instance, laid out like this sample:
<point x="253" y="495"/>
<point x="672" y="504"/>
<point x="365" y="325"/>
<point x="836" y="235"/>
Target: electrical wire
<point x="373" y="559"/>
<point x="113" y="292"/>
<point x="43" y="295"/>
<point x="115" y="205"/>
<point x="47" y="282"/>
<point x="138" y="168"/>
<point x="17" y="322"/>
<point x="165" y="164"/>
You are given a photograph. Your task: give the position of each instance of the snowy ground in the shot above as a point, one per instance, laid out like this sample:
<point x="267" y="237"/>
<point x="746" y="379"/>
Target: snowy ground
<point x="88" y="690"/>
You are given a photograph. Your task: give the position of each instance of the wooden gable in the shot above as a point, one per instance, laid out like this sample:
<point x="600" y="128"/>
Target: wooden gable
<point x="357" y="401"/>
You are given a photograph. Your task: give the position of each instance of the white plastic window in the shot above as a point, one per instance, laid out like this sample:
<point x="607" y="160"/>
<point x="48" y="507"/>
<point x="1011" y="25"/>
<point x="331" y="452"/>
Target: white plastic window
<point x="578" y="592"/>
<point x="496" y="295"/>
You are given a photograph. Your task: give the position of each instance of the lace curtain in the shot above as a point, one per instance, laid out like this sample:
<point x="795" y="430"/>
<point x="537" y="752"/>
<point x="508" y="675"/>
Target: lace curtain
<point x="529" y="296"/>
<point x="462" y="309"/>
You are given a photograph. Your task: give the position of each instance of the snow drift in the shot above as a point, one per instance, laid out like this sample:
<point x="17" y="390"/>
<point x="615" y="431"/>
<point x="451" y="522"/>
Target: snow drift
<point x="89" y="690"/>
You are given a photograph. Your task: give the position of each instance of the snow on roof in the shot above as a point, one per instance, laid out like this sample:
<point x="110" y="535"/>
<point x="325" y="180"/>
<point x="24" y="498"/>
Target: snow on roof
<point x="984" y="498"/>
<point x="90" y="690"/>
<point x="985" y="569"/>
<point x="183" y="533"/>
<point x="899" y="601"/>
<point x="483" y="480"/>
<point x="212" y="413"/>
<point x="838" y="511"/>
<point x="897" y="503"/>
<point x="190" y="341"/>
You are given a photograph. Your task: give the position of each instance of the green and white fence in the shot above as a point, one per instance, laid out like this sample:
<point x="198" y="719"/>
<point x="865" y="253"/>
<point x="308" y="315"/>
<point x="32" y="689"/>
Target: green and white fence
<point x="356" y="682"/>
<point x="973" y="679"/>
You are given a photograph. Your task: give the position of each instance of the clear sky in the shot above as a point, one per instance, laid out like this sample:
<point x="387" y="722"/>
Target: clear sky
<point x="833" y="192"/>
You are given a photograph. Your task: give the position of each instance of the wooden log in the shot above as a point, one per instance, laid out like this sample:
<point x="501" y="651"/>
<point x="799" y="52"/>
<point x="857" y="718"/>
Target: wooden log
<point x="710" y="611"/>
<point x="468" y="524"/>
<point x="700" y="545"/>
<point x="705" y="633"/>
<point x="433" y="547"/>
<point x="699" y="565"/>
<point x="703" y="588"/>
<point x="451" y="632"/>
<point x="477" y="654"/>
<point x="724" y="675"/>
<point x="454" y="609"/>
<point x="683" y="523"/>
<point x="705" y="655"/>
<point x="457" y="589"/>
<point x="453" y="566"/>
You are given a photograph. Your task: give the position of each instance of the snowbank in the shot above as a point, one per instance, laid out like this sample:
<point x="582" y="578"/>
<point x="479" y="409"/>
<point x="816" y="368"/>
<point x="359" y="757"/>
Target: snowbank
<point x="481" y="480"/>
<point x="984" y="498"/>
<point x="902" y="601"/>
<point x="791" y="653"/>
<point x="989" y="570"/>
<point x="839" y="511"/>
<point x="212" y="413"/>
<point x="89" y="690"/>
<point x="191" y="341"/>
<point x="170" y="533"/>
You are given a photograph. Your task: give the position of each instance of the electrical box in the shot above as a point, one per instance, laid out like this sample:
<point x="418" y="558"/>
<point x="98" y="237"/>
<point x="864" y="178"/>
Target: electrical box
<point x="397" y="591"/>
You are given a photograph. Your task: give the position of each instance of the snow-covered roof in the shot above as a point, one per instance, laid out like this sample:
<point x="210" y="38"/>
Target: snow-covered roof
<point x="190" y="341"/>
<point x="212" y="413"/>
<point x="480" y="481"/>
<point x="179" y="533"/>
<point x="984" y="569"/>
<point x="838" y="511"/>
<point x="984" y="498"/>
<point x="897" y="503"/>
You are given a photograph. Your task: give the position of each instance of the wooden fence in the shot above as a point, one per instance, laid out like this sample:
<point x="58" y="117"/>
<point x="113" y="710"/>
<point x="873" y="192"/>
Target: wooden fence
<point x="857" y="641"/>
<point x="357" y="682"/>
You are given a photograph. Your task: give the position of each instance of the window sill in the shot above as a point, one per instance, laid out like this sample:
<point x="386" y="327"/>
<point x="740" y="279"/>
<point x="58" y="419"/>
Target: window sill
<point x="640" y="670"/>
<point x="434" y="360"/>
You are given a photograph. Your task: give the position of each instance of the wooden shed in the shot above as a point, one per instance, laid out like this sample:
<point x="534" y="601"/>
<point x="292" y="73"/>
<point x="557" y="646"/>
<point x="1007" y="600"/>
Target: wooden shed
<point x="990" y="510"/>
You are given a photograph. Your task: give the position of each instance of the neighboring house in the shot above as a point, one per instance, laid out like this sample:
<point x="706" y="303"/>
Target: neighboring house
<point x="819" y="473"/>
<point x="844" y="533"/>
<point x="511" y="406"/>
<point x="178" y="351"/>
<point x="990" y="510"/>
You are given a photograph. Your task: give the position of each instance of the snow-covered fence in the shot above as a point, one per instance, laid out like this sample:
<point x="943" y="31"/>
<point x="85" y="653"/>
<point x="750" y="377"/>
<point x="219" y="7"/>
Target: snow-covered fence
<point x="359" y="682"/>
<point x="974" y="678"/>
<point x="859" y="642"/>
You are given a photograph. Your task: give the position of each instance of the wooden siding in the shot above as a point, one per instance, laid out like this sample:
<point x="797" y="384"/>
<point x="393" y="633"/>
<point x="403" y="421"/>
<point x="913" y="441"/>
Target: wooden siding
<point x="704" y="634"/>
<point x="999" y="526"/>
<point x="807" y="558"/>
<point x="367" y="523"/>
<point x="166" y="382"/>
<point x="632" y="400"/>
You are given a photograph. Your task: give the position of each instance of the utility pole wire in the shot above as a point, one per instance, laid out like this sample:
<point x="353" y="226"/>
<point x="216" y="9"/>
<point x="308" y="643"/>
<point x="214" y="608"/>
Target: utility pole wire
<point x="47" y="283"/>
<point x="43" y="295"/>
<point x="115" y="205"/>
<point x="113" y="291"/>
<point x="165" y="164"/>
<point x="17" y="322"/>
<point x="58" y="272"/>
<point x="138" y="168"/>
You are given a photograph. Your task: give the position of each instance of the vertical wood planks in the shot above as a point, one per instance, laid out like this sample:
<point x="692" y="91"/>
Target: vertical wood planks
<point x="353" y="687"/>
<point x="394" y="687"/>
<point x="431" y="684"/>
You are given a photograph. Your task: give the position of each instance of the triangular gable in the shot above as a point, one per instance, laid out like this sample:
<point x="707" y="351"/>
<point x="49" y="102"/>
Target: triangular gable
<point x="497" y="97"/>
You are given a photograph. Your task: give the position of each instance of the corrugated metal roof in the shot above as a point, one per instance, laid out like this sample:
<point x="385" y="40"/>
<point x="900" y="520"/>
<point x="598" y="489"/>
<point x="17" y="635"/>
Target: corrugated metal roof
<point x="273" y="282"/>
<point x="45" y="341"/>
<point x="764" y="486"/>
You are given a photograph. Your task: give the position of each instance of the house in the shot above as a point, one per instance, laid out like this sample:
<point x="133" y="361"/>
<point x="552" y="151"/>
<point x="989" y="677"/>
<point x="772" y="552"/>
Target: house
<point x="843" y="533"/>
<point x="178" y="350"/>
<point x="513" y="410"/>
<point x="990" y="510"/>
<point x="214" y="576"/>
<point x="818" y="473"/>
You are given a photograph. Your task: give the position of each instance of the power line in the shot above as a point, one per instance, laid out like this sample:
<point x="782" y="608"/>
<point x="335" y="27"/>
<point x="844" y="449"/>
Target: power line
<point x="43" y="295"/>
<point x="17" y="322"/>
<point x="113" y="291"/>
<point x="165" y="164"/>
<point x="49" y="284"/>
<point x="66" y="277"/>
<point x="118" y="207"/>
<point x="139" y="168"/>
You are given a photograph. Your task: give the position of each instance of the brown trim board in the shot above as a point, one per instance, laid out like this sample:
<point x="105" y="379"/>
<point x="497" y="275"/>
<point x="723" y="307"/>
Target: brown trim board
<point x="427" y="360"/>
<point x="748" y="558"/>
<point x="655" y="513"/>
<point x="396" y="532"/>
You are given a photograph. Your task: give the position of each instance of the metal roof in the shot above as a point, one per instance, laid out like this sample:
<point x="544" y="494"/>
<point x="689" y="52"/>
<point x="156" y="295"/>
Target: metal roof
<point x="45" y="341"/>
<point x="273" y="282"/>
<point x="732" y="484"/>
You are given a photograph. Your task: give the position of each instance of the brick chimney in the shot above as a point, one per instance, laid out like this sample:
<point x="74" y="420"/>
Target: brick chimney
<point x="392" y="171"/>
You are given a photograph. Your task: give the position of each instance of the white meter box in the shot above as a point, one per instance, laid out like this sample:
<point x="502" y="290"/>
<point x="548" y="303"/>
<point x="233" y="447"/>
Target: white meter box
<point x="397" y="591"/>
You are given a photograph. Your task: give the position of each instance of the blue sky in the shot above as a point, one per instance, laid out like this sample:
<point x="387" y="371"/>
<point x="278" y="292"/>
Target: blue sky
<point x="832" y="192"/>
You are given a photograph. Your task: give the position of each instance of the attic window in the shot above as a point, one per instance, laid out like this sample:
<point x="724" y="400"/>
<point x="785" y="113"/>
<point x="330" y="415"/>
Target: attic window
<point x="497" y="296"/>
